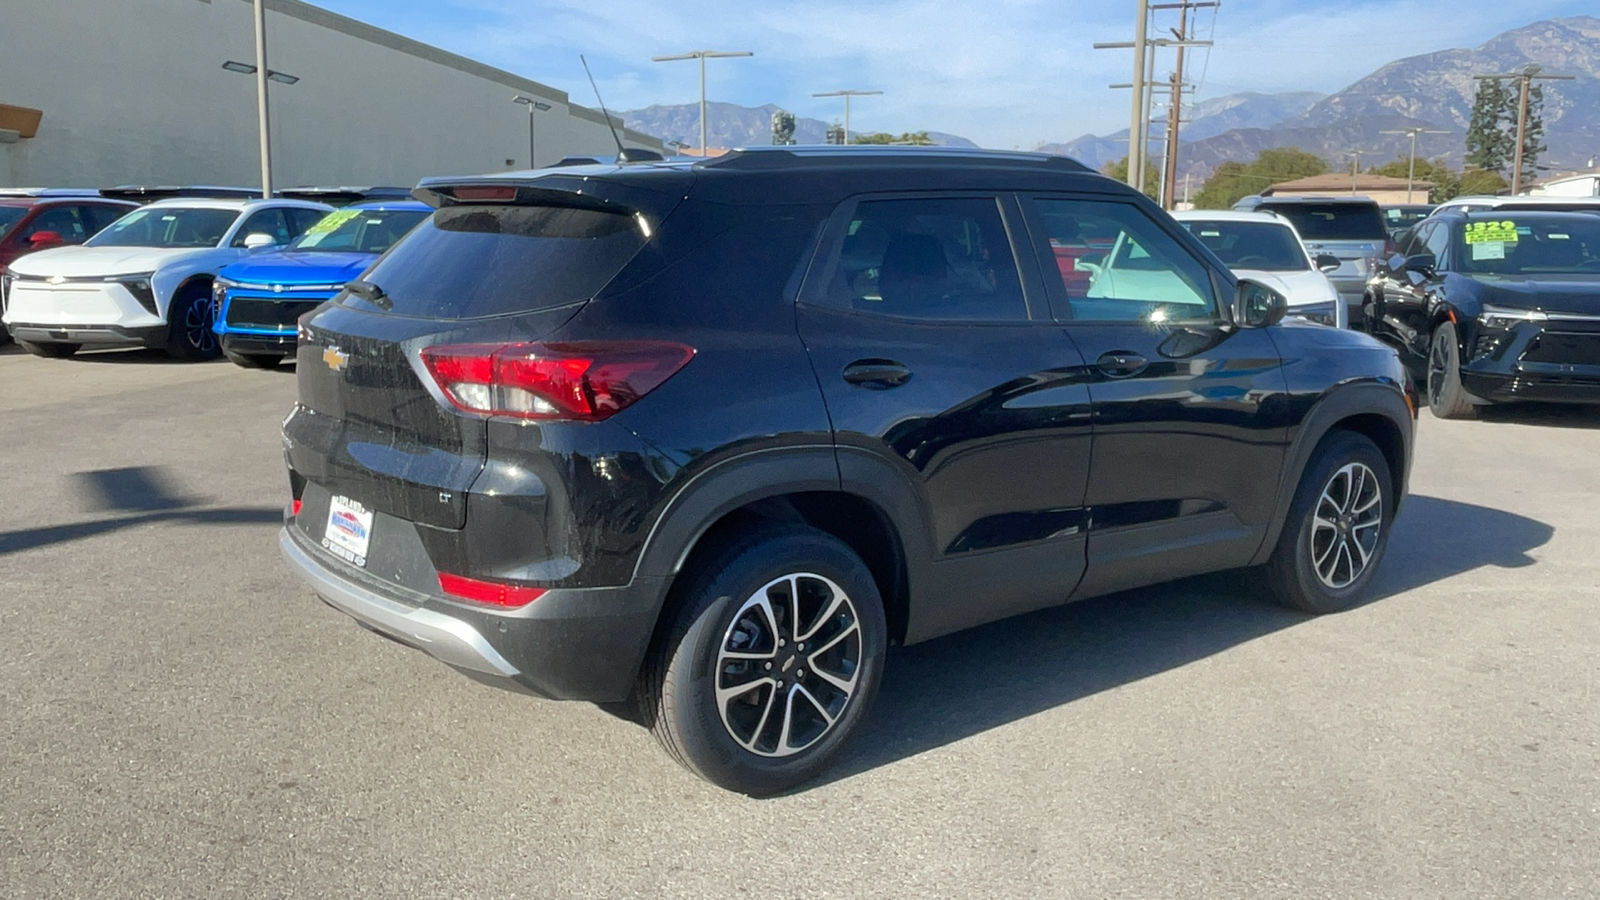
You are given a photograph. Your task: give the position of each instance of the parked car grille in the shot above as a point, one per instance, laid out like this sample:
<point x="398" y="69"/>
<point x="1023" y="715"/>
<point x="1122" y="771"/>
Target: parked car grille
<point x="250" y="312"/>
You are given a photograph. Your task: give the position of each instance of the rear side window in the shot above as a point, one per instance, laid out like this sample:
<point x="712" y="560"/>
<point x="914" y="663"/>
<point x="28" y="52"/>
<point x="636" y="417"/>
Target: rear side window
<point x="1334" y="221"/>
<point x="467" y="262"/>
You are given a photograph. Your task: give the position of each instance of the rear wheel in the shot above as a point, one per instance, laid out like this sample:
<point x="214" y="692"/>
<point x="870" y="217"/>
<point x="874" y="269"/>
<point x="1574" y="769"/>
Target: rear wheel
<point x="1447" y="398"/>
<point x="189" y="325"/>
<point x="254" y="360"/>
<point x="1337" y="529"/>
<point x="770" y="663"/>
<point x="50" y="351"/>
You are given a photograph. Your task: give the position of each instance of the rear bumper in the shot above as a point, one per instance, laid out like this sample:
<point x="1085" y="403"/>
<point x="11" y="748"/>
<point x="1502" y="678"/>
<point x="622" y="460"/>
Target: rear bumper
<point x="568" y="645"/>
<point x="91" y="335"/>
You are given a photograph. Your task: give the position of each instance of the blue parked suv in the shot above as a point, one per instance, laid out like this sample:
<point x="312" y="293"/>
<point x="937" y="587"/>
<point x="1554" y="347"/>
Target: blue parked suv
<point x="259" y="299"/>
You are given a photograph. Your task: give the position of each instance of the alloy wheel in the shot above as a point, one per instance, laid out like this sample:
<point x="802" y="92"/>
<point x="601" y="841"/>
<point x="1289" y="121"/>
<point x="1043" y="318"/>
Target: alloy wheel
<point x="788" y="665"/>
<point x="1347" y="522"/>
<point x="197" y="325"/>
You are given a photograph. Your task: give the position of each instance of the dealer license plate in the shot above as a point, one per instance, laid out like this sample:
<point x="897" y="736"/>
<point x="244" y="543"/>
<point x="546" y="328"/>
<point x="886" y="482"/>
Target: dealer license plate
<point x="349" y="530"/>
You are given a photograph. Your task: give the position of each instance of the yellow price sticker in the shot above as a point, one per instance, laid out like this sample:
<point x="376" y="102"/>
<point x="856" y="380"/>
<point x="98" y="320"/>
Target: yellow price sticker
<point x="333" y="220"/>
<point x="1503" y="232"/>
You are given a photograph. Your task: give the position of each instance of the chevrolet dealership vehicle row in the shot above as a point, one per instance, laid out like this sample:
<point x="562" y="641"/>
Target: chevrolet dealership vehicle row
<point x="707" y="436"/>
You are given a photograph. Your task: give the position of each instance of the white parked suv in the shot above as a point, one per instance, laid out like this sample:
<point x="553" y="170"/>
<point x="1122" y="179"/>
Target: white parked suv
<point x="1267" y="248"/>
<point x="145" y="281"/>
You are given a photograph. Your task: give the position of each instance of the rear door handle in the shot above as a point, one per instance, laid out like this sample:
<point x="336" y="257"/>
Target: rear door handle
<point x="1121" y="363"/>
<point x="876" y="373"/>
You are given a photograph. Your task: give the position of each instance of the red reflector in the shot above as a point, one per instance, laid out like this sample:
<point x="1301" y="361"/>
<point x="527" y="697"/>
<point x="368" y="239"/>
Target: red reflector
<point x="492" y="593"/>
<point x="294" y="508"/>
<point x="585" y="380"/>
<point x="484" y="192"/>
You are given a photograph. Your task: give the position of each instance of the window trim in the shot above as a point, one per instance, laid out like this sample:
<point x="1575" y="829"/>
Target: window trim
<point x="824" y="258"/>
<point x="1056" y="290"/>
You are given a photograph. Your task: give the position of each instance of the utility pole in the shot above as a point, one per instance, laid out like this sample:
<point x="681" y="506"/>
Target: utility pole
<point x="847" y="95"/>
<point x="1411" y="173"/>
<point x="1143" y="59"/>
<point x="1525" y="77"/>
<point x="1175" y="114"/>
<point x="701" y="55"/>
<point x="261" y="98"/>
<point x="1355" y="169"/>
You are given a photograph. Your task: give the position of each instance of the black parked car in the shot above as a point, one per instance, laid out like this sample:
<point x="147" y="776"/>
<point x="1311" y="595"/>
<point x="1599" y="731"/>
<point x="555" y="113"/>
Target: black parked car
<point x="713" y="434"/>
<point x="1500" y="305"/>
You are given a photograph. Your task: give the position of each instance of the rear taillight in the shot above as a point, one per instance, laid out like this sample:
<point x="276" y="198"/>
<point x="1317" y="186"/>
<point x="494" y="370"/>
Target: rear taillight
<point x="294" y="508"/>
<point x="492" y="593"/>
<point x="585" y="380"/>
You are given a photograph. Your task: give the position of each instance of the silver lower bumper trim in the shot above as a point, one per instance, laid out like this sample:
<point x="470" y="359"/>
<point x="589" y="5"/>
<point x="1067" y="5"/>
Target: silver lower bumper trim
<point x="448" y="640"/>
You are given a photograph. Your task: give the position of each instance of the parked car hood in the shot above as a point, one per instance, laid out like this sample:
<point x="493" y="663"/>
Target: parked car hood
<point x="296" y="267"/>
<point x="1551" y="293"/>
<point x="79" y="262"/>
<point x="1301" y="288"/>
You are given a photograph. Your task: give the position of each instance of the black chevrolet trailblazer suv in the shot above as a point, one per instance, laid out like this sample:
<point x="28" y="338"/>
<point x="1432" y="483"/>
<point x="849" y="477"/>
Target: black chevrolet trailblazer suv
<point x="711" y="435"/>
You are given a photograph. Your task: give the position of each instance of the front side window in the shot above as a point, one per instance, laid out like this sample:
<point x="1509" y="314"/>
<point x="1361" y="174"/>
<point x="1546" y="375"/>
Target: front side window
<point x="935" y="258"/>
<point x="1116" y="264"/>
<point x="1436" y="242"/>
<point x="359" y="230"/>
<point x="1264" y="246"/>
<point x="63" y="220"/>
<point x="270" y="222"/>
<point x="167" y="226"/>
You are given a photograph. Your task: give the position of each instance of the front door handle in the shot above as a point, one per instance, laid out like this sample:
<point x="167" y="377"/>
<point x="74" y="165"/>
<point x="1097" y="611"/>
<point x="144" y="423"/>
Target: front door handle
<point x="876" y="373"/>
<point x="1121" y="363"/>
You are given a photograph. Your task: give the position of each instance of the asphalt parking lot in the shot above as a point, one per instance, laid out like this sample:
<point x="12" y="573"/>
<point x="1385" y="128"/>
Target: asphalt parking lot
<point x="180" y="717"/>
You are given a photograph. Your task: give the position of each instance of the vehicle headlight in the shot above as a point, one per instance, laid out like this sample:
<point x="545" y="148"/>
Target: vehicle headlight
<point x="1507" y="317"/>
<point x="1326" y="313"/>
<point x="139" y="286"/>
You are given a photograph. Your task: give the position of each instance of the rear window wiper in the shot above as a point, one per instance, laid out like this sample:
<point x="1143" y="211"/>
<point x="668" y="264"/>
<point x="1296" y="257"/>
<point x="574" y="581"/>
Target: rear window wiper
<point x="371" y="293"/>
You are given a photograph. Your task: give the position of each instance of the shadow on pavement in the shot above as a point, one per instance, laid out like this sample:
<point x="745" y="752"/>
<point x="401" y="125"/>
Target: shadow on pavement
<point x="148" y="492"/>
<point x="126" y="357"/>
<point x="1550" y="415"/>
<point x="958" y="686"/>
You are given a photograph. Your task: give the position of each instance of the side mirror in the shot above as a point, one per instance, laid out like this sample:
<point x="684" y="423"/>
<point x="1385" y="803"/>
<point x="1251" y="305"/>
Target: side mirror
<point x="43" y="239"/>
<point x="1423" y="264"/>
<point x="1327" y="262"/>
<point x="259" y="241"/>
<point x="1258" y="306"/>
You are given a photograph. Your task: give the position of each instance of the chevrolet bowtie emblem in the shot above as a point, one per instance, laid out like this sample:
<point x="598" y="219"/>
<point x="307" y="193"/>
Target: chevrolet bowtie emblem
<point x="335" y="358"/>
<point x="57" y="279"/>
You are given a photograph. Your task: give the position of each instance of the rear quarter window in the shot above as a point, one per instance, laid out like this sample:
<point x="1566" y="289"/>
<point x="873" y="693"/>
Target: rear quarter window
<point x="469" y="262"/>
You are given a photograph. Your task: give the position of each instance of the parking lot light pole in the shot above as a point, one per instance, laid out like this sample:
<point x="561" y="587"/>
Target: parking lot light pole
<point x="847" y="95"/>
<point x="261" y="97"/>
<point x="702" y="55"/>
<point x="533" y="106"/>
<point x="1411" y="172"/>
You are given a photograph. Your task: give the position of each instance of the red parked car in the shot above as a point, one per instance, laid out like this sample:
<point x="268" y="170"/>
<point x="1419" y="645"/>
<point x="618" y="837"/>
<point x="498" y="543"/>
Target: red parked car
<point x="38" y="218"/>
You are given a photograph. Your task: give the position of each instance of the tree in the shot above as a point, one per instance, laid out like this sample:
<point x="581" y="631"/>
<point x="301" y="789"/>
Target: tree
<point x="1482" y="181"/>
<point x="1119" y="171"/>
<point x="1446" y="182"/>
<point x="1233" y="180"/>
<point x="1489" y="145"/>
<point x="914" y="138"/>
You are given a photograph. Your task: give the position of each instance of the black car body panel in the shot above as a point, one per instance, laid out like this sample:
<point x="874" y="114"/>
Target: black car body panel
<point x="1523" y="335"/>
<point x="980" y="468"/>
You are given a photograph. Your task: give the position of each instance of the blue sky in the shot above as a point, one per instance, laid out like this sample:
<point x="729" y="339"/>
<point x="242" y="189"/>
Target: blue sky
<point x="1004" y="73"/>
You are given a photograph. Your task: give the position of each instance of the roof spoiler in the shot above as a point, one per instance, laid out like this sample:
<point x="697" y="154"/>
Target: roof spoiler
<point x="147" y="194"/>
<point x="344" y="195"/>
<point x="49" y="192"/>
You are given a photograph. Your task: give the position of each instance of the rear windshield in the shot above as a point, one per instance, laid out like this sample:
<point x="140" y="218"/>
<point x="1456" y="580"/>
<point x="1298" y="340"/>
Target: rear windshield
<point x="1333" y="221"/>
<point x="167" y="226"/>
<point x="467" y="262"/>
<point x="1263" y="246"/>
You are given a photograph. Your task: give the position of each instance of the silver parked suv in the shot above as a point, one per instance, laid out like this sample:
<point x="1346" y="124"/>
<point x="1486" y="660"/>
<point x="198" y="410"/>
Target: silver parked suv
<point x="1350" y="229"/>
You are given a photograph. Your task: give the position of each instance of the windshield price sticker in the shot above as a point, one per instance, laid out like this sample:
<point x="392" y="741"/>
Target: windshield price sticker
<point x="1489" y="250"/>
<point x="1491" y="233"/>
<point x="333" y="220"/>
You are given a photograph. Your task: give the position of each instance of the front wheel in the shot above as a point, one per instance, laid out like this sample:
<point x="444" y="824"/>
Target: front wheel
<point x="1447" y="397"/>
<point x="770" y="663"/>
<point x="1337" y="529"/>
<point x="189" y="325"/>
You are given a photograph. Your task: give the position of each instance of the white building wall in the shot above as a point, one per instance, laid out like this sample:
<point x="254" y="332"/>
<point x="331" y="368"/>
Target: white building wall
<point x="133" y="92"/>
<point x="1576" y="186"/>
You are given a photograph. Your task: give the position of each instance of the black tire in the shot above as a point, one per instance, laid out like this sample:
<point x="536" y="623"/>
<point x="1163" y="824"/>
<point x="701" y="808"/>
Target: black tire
<point x="50" y="351"/>
<point x="1447" y="397"/>
<point x="189" y="320"/>
<point x="254" y="360"/>
<point x="735" y="746"/>
<point x="1304" y="572"/>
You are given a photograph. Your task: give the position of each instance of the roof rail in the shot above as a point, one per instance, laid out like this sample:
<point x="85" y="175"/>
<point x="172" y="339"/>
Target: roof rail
<point x="830" y="154"/>
<point x="343" y="195"/>
<point x="48" y="192"/>
<point x="148" y="194"/>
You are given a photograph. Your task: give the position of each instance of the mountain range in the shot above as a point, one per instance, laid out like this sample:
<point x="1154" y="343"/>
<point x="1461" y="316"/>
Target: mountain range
<point x="1433" y="91"/>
